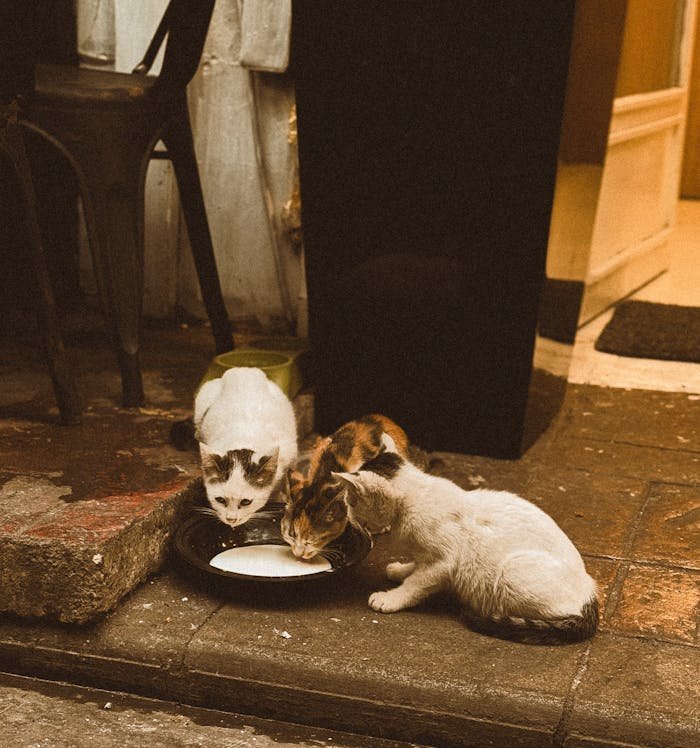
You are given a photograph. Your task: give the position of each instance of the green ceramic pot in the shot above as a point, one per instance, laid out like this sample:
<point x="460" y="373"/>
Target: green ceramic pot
<point x="297" y="349"/>
<point x="277" y="366"/>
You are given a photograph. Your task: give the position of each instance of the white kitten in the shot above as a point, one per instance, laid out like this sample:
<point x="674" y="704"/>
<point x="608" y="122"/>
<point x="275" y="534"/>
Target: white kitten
<point x="508" y="562"/>
<point x="247" y="437"/>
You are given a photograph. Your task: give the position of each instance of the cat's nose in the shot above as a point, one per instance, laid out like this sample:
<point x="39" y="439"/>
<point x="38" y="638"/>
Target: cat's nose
<point x="298" y="550"/>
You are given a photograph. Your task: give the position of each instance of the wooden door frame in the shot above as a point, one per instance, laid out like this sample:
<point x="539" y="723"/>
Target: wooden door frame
<point x="621" y="262"/>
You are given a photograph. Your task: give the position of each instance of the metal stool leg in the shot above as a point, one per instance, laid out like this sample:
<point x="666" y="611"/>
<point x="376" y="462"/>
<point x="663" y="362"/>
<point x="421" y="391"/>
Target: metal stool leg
<point x="69" y="406"/>
<point x="113" y="216"/>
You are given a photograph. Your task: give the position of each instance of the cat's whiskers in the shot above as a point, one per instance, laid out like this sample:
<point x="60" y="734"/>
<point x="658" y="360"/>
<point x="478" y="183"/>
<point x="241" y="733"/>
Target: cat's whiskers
<point x="334" y="556"/>
<point x="205" y="510"/>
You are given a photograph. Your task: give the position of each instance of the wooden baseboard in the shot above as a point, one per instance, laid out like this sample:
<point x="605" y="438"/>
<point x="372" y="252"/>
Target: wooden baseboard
<point x="629" y="271"/>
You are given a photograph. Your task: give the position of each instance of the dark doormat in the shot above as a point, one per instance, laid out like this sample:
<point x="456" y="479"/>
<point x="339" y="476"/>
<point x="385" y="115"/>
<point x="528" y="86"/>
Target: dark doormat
<point x="643" y="329"/>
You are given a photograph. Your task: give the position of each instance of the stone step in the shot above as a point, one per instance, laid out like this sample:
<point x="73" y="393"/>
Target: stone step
<point x="39" y="713"/>
<point x="93" y="518"/>
<point x="72" y="561"/>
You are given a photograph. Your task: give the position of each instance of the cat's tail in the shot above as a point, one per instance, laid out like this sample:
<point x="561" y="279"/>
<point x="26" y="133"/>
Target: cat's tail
<point x="183" y="436"/>
<point x="559" y="630"/>
<point x="425" y="461"/>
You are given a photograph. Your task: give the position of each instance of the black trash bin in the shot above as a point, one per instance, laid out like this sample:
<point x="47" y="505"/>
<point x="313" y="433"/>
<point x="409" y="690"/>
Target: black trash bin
<point x="428" y="137"/>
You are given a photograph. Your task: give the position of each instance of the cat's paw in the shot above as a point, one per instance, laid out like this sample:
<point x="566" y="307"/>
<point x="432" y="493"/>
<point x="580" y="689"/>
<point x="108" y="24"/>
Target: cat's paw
<point x="386" y="602"/>
<point x="397" y="571"/>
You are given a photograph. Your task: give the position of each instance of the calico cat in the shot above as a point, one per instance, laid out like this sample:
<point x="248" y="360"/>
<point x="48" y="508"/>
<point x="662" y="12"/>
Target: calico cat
<point x="513" y="569"/>
<point x="247" y="435"/>
<point x="315" y="513"/>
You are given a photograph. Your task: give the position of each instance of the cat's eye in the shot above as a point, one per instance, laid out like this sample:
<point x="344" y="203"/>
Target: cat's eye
<point x="220" y="500"/>
<point x="245" y="502"/>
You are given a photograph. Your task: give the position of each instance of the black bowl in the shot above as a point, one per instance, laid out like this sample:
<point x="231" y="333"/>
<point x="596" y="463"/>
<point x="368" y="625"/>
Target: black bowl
<point x="201" y="537"/>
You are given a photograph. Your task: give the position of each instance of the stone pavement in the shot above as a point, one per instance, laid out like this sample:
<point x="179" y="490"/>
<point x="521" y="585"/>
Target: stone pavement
<point x="619" y="470"/>
<point x="44" y="714"/>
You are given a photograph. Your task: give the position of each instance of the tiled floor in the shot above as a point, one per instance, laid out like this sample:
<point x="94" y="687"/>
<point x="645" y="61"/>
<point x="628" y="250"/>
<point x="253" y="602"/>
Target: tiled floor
<point x="680" y="285"/>
<point x="618" y="470"/>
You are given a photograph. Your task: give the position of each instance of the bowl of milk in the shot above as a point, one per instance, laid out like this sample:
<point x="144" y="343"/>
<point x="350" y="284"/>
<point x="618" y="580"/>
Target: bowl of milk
<point x="255" y="552"/>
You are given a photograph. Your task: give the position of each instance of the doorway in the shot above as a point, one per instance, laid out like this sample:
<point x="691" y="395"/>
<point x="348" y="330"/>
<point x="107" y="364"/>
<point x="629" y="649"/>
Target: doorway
<point x="646" y="236"/>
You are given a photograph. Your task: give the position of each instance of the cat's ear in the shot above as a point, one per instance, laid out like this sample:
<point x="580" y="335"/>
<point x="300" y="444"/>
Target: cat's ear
<point x="352" y="479"/>
<point x="206" y="458"/>
<point x="287" y="483"/>
<point x="350" y="482"/>
<point x="318" y="451"/>
<point x="322" y="443"/>
<point x="214" y="466"/>
<point x="293" y="484"/>
<point x="294" y="478"/>
<point x="388" y="443"/>
<point x="266" y="468"/>
<point x="269" y="462"/>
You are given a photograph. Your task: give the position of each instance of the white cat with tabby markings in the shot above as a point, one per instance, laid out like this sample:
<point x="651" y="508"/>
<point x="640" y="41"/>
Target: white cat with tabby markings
<point x="247" y="435"/>
<point x="513" y="569"/>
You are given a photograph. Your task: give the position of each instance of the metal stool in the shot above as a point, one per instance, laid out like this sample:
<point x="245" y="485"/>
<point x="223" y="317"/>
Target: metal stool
<point x="107" y="125"/>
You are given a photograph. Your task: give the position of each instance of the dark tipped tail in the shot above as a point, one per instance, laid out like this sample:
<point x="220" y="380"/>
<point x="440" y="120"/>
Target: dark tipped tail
<point x="182" y="435"/>
<point x="562" y="630"/>
<point x="425" y="461"/>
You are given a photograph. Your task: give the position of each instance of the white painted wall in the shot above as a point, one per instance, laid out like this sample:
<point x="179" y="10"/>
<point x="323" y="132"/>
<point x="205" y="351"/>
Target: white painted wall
<point x="261" y="275"/>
